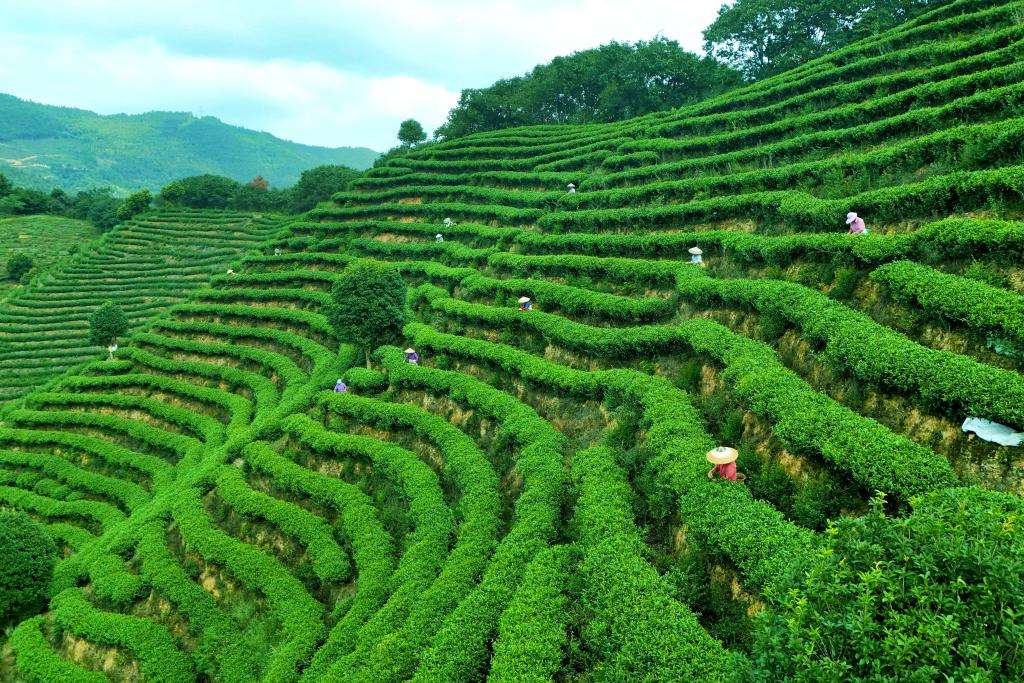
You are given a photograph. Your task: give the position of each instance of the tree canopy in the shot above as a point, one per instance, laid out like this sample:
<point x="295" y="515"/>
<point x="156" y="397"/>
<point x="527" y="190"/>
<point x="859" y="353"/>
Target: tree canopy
<point x="765" y="37"/>
<point x="18" y="266"/>
<point x="106" y="324"/>
<point x="318" y="185"/>
<point x="367" y="306"/>
<point x="608" y="83"/>
<point x="29" y="555"/>
<point x="410" y="132"/>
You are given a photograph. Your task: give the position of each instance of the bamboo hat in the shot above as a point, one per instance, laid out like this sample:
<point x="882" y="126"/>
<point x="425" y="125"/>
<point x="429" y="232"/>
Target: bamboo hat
<point x="695" y="250"/>
<point x="410" y="350"/>
<point x="722" y="455"/>
<point x="523" y="299"/>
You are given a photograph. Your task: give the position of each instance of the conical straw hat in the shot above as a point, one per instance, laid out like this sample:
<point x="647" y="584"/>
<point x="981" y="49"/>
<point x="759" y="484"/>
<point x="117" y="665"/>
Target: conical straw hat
<point x="410" y="350"/>
<point x="523" y="299"/>
<point x="695" y="250"/>
<point x="722" y="455"/>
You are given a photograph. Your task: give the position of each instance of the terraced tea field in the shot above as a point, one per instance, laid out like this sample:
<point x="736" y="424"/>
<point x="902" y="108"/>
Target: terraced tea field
<point x="45" y="239"/>
<point x="144" y="266"/>
<point x="531" y="501"/>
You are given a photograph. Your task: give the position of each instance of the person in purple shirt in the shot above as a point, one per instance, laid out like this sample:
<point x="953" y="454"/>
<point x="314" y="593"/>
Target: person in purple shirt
<point x="340" y="387"/>
<point x="412" y="357"/>
<point x="856" y="224"/>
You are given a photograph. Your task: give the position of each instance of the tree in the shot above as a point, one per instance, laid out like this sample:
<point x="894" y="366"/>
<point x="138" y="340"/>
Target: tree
<point x="259" y="183"/>
<point x="318" y="185"/>
<point x="173" y="192"/>
<point x="106" y="324"/>
<point x="410" y="132"/>
<point x="937" y="595"/>
<point x="765" y="37"/>
<point x="133" y="205"/>
<point x="608" y="83"/>
<point x="201" y="191"/>
<point x="18" y="266"/>
<point x="367" y="305"/>
<point x="29" y="555"/>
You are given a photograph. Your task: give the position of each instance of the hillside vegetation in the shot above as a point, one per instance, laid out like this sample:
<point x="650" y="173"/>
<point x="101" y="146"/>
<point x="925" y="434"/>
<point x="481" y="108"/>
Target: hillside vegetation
<point x="531" y="501"/>
<point x="43" y="146"/>
<point x="44" y="239"/>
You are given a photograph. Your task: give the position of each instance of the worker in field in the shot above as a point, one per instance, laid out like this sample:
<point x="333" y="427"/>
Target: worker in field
<point x="448" y="222"/>
<point x="439" y="237"/>
<point x="340" y="387"/>
<point x="411" y="357"/>
<point x="572" y="188"/>
<point x="524" y="303"/>
<point x="696" y="256"/>
<point x="724" y="460"/>
<point x="111" y="350"/>
<point x="277" y="251"/>
<point x="856" y="223"/>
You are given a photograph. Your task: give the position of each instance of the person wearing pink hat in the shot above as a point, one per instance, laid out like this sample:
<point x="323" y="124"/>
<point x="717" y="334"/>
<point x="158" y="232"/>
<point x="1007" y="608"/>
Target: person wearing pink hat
<point x="856" y="224"/>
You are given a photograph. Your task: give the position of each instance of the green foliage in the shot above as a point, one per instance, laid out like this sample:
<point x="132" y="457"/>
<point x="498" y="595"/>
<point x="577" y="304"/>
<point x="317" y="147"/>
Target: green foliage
<point x="609" y="83"/>
<point x="133" y="205"/>
<point x="29" y="557"/>
<point x="18" y="266"/>
<point x="106" y="324"/>
<point x="936" y="594"/>
<point x="765" y="37"/>
<point x="318" y="185"/>
<point x="410" y="133"/>
<point x="367" y="306"/>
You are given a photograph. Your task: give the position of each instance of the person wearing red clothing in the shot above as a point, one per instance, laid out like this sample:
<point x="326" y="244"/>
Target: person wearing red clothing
<point x="724" y="460"/>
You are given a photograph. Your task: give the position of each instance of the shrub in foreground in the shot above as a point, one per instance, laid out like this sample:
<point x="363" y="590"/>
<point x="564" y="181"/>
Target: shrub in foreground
<point x="29" y="555"/>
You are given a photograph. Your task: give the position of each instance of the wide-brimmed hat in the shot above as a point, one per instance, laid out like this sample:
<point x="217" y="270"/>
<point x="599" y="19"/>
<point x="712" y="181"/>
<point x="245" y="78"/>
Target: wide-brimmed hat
<point x="850" y="217"/>
<point x="695" y="250"/>
<point x="410" y="350"/>
<point x="571" y="185"/>
<point x="722" y="455"/>
<point x="523" y="299"/>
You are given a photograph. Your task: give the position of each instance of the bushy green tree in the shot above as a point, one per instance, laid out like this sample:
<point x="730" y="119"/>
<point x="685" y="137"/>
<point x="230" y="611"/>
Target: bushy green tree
<point x="367" y="306"/>
<point x="937" y="595"/>
<point x="28" y="556"/>
<point x="318" y="185"/>
<point x="608" y="83"/>
<point x="133" y="205"/>
<point x="18" y="265"/>
<point x="201" y="191"/>
<point x="410" y="132"/>
<point x="765" y="37"/>
<point x="106" y="324"/>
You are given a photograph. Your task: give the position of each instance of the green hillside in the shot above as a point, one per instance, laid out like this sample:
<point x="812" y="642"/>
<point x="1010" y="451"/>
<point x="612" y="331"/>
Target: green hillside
<point x="45" y="239"/>
<point x="43" y="146"/>
<point x="532" y="500"/>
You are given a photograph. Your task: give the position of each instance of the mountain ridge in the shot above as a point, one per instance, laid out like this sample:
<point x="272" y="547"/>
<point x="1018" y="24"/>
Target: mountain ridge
<point x="44" y="146"/>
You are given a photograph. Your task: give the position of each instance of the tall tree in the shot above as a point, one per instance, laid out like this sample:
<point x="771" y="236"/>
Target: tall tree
<point x="410" y="132"/>
<point x="106" y="324"/>
<point x="318" y="185"/>
<point x="609" y="83"/>
<point x="367" y="305"/>
<point x="765" y="37"/>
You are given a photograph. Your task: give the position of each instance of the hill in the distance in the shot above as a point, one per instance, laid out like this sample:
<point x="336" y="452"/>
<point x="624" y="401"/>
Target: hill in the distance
<point x="43" y="146"/>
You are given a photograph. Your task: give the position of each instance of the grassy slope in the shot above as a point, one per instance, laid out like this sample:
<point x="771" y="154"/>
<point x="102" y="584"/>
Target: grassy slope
<point x="44" y="238"/>
<point x="44" y="146"/>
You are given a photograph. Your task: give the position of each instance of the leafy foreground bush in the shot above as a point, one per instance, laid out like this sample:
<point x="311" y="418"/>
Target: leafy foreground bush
<point x="28" y="556"/>
<point x="938" y="595"/>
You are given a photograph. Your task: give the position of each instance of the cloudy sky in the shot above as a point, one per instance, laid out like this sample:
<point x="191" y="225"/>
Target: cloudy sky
<point x="323" y="72"/>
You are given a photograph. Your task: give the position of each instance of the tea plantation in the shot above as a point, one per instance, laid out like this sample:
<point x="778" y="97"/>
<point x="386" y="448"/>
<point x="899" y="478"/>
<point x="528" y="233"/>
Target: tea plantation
<point x="531" y="501"/>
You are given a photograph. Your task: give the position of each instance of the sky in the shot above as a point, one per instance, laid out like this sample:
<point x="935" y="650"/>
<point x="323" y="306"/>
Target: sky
<point x="321" y="72"/>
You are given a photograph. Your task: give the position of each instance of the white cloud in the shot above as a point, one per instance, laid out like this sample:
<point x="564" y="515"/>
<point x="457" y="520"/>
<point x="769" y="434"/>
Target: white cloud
<point x="331" y="72"/>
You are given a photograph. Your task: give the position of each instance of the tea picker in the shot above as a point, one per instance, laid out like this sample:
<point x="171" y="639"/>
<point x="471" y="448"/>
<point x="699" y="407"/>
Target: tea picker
<point x="111" y="350"/>
<point x="448" y="222"/>
<point x="439" y="237"/>
<point x="524" y="303"/>
<point x="572" y="188"/>
<point x="340" y="387"/>
<point x="411" y="357"/>
<point x="696" y="257"/>
<point x="856" y="223"/>
<point x="724" y="460"/>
